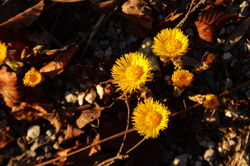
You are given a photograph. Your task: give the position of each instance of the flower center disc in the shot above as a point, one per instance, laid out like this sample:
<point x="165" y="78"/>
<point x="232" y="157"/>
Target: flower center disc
<point x="33" y="78"/>
<point x="173" y="45"/>
<point x="153" y="118"/>
<point x="134" y="72"/>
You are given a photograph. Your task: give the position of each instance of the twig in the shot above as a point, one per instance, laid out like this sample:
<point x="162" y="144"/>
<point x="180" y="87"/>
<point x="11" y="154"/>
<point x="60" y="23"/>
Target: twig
<point x="190" y="10"/>
<point x="222" y="94"/>
<point x="87" y="147"/>
<point x="127" y="125"/>
<point x="120" y="157"/>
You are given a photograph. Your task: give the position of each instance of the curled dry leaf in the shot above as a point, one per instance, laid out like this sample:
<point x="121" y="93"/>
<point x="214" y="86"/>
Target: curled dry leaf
<point x="88" y="115"/>
<point x="59" y="63"/>
<point x="210" y="22"/>
<point x="25" y="18"/>
<point x="72" y="132"/>
<point x="237" y="34"/>
<point x="138" y="12"/>
<point x="95" y="149"/>
<point x="197" y="98"/>
<point x="104" y="7"/>
<point x="9" y="87"/>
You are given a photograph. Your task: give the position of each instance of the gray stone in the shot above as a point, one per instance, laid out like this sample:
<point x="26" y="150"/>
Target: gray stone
<point x="100" y="91"/>
<point x="104" y="43"/>
<point x="227" y="56"/>
<point x="108" y="51"/>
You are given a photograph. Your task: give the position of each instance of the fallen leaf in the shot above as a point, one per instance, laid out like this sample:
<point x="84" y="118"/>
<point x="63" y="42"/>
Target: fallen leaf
<point x="5" y="138"/>
<point x="210" y="22"/>
<point x="88" y="115"/>
<point x="197" y="98"/>
<point x="9" y="87"/>
<point x="237" y="34"/>
<point x="56" y="66"/>
<point x="25" y="18"/>
<point x="72" y="132"/>
<point x="97" y="148"/>
<point x="139" y="13"/>
<point x="64" y="153"/>
<point x="104" y="7"/>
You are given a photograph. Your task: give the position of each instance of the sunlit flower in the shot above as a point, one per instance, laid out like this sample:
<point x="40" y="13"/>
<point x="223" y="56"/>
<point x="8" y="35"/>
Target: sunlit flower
<point x="170" y="43"/>
<point x="149" y="117"/>
<point x="131" y="71"/>
<point x="182" y="78"/>
<point x="3" y="52"/>
<point x="210" y="101"/>
<point x="32" y="77"/>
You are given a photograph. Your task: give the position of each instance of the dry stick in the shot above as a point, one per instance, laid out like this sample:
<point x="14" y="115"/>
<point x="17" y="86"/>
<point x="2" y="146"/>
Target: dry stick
<point x="87" y="147"/>
<point x="222" y="94"/>
<point x="120" y="157"/>
<point x="127" y="125"/>
<point x="190" y="10"/>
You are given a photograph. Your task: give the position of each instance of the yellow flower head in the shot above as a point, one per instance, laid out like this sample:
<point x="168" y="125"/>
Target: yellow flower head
<point x="150" y="117"/>
<point x="210" y="101"/>
<point x="32" y="77"/>
<point x="182" y="78"/>
<point x="170" y="43"/>
<point x="3" y="52"/>
<point x="131" y="71"/>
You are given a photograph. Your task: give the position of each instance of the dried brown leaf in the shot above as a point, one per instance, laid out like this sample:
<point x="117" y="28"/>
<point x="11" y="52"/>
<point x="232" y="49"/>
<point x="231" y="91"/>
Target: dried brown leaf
<point x="5" y="138"/>
<point x="210" y="22"/>
<point x="25" y="18"/>
<point x="97" y="148"/>
<point x="237" y="34"/>
<point x="197" y="98"/>
<point x="72" y="132"/>
<point x="9" y="87"/>
<point x="59" y="63"/>
<point x="104" y="7"/>
<point x="89" y="115"/>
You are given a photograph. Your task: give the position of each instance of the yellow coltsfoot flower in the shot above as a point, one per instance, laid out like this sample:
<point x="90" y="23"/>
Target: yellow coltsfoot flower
<point x="182" y="78"/>
<point x="170" y="43"/>
<point x="210" y="101"/>
<point x="3" y="52"/>
<point x="32" y="77"/>
<point x="131" y="71"/>
<point x="149" y="117"/>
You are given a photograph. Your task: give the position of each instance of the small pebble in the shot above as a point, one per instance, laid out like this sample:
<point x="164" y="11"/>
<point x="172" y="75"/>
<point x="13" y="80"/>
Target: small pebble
<point x="49" y="132"/>
<point x="227" y="56"/>
<point x="108" y="51"/>
<point x="248" y="94"/>
<point x="132" y="38"/>
<point x="222" y="31"/>
<point x="209" y="155"/>
<point x="122" y="45"/>
<point x="80" y="98"/>
<point x="198" y="163"/>
<point x="90" y="97"/>
<point x="99" y="54"/>
<point x="189" y="32"/>
<point x="221" y="41"/>
<point x="70" y="98"/>
<point x="104" y="43"/>
<point x="230" y="29"/>
<point x="100" y="91"/>
<point x="33" y="132"/>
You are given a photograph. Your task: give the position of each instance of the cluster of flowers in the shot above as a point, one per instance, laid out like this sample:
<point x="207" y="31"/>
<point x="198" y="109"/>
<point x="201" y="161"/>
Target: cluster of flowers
<point x="133" y="70"/>
<point x="31" y="78"/>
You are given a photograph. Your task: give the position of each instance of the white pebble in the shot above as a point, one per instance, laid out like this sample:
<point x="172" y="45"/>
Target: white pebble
<point x="80" y="98"/>
<point x="209" y="155"/>
<point x="90" y="97"/>
<point x="100" y="91"/>
<point x="70" y="98"/>
<point x="33" y="132"/>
